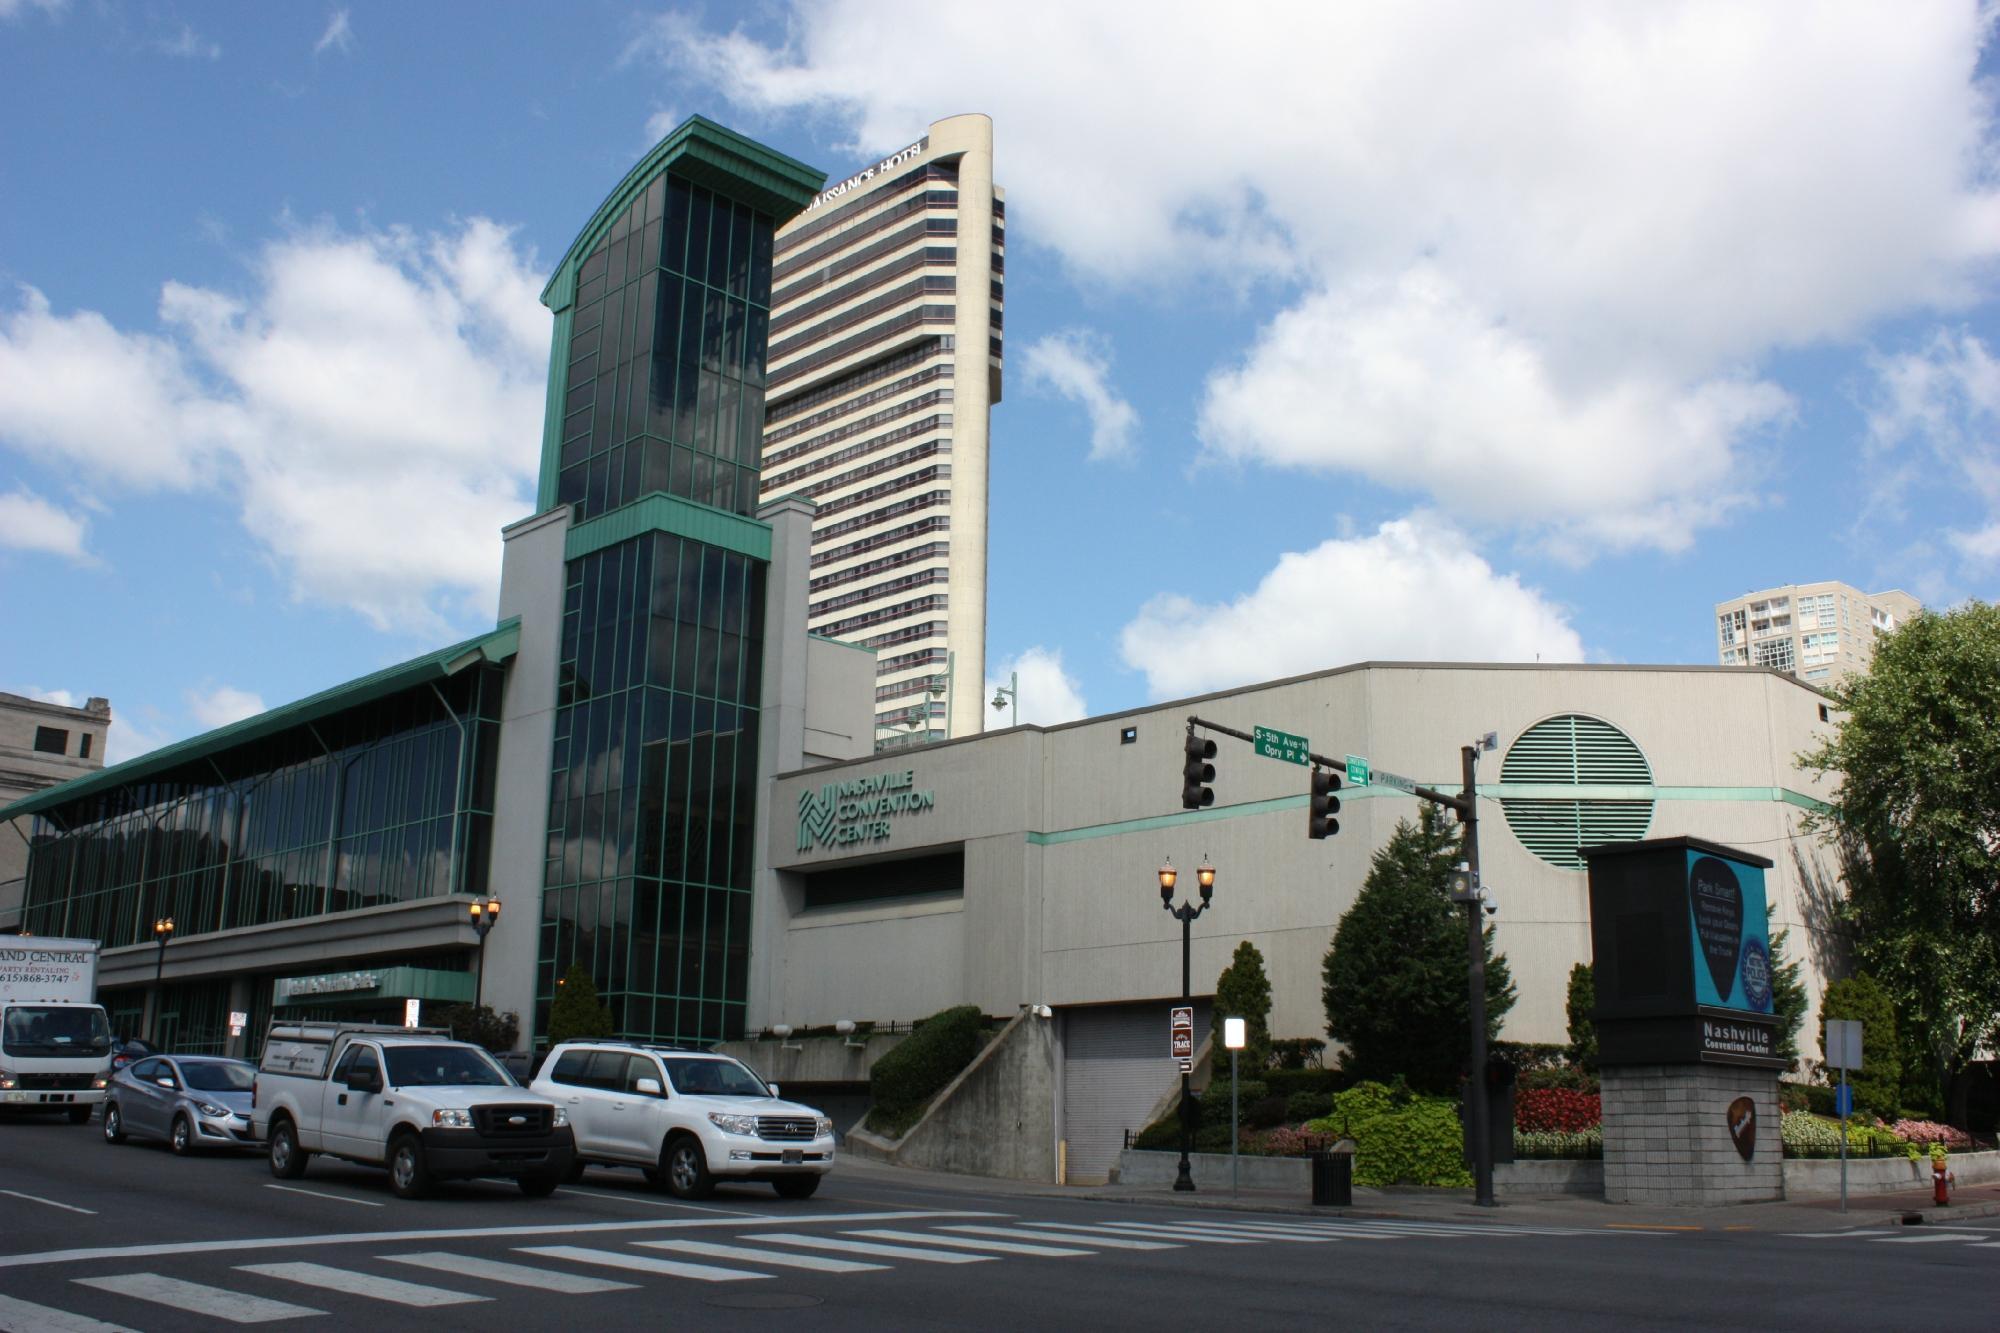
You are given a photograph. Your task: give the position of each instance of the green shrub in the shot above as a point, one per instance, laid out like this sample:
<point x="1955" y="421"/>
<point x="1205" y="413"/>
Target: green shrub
<point x="1399" y="1139"/>
<point x="1300" y="1054"/>
<point x="1303" y="1106"/>
<point x="1793" y="1097"/>
<point x="1819" y="1099"/>
<point x="481" y="1025"/>
<point x="936" y="1052"/>
<point x="578" y="1014"/>
<point x="1287" y="1082"/>
<point x="1266" y="1113"/>
<point x="1569" y="1078"/>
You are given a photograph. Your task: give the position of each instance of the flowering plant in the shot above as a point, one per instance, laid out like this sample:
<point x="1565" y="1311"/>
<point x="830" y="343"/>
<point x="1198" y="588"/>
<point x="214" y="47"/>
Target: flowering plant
<point x="1929" y="1132"/>
<point x="1557" y="1110"/>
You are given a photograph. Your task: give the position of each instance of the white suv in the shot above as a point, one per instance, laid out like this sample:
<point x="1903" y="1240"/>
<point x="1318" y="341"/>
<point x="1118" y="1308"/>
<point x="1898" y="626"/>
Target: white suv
<point x="688" y="1119"/>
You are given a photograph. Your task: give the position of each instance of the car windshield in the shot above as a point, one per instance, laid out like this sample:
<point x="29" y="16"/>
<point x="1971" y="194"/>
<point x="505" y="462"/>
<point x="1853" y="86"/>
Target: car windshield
<point x="714" y="1078"/>
<point x="442" y="1067"/>
<point x="74" y="1030"/>
<point x="218" y="1075"/>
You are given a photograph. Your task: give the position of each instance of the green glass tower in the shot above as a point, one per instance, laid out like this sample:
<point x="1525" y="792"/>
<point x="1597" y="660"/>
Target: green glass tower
<point x="652" y="439"/>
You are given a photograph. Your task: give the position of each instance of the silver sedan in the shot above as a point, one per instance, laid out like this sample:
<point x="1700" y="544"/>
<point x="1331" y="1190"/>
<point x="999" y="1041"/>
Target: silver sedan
<point x="191" y="1101"/>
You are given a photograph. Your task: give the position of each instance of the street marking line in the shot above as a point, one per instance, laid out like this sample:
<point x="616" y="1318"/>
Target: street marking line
<point x="361" y="1284"/>
<point x="455" y="1233"/>
<point x="1646" y="1226"/>
<point x="1833" y="1235"/>
<point x="639" y="1263"/>
<point x="1299" y="1236"/>
<point x="317" y="1194"/>
<point x="1986" y="1244"/>
<point x="1932" y="1239"/>
<point x="744" y="1253"/>
<point x="659" y="1203"/>
<point x="518" y="1275"/>
<point x="1069" y="1237"/>
<point x="18" y="1316"/>
<point x="214" y="1302"/>
<point x="66" y="1207"/>
<point x="864" y="1247"/>
<point x="965" y="1243"/>
<point x="1141" y="1229"/>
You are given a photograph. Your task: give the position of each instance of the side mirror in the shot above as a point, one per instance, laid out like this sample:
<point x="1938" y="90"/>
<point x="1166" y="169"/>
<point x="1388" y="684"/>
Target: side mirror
<point x="164" y="1082"/>
<point x="363" y="1080"/>
<point x="647" y="1087"/>
<point x="773" y="1087"/>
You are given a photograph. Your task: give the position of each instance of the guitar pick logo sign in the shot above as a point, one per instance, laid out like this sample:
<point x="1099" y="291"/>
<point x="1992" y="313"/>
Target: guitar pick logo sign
<point x="1742" y="1115"/>
<point x="1717" y="896"/>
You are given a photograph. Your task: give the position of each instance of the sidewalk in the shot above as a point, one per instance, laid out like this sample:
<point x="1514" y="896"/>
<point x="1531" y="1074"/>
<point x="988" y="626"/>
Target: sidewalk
<point x="1455" y="1205"/>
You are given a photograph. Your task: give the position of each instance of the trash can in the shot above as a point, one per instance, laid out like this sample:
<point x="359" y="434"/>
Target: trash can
<point x="1333" y="1174"/>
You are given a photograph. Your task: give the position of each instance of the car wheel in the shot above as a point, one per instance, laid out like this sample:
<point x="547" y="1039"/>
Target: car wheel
<point x="575" y="1172"/>
<point x="796" y="1187"/>
<point x="114" y="1123"/>
<point x="288" y="1159"/>
<point x="409" y="1175"/>
<point x="654" y="1176"/>
<point x="541" y="1184"/>
<point x="686" y="1169"/>
<point x="181" y="1137"/>
<point x="79" y="1114"/>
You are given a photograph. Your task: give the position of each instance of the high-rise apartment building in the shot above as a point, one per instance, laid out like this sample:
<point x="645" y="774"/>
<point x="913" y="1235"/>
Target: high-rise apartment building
<point x="1818" y="632"/>
<point x="885" y="360"/>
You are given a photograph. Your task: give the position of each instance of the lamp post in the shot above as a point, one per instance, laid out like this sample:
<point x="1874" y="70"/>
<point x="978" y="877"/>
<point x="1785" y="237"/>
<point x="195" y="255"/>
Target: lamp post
<point x="1009" y="696"/>
<point x="163" y="930"/>
<point x="484" y="916"/>
<point x="1233" y="1038"/>
<point x="1185" y="914"/>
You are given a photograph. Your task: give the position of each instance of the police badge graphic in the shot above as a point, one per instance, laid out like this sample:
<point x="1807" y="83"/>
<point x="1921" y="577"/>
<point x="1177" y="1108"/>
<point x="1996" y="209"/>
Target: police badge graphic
<point x="1756" y="974"/>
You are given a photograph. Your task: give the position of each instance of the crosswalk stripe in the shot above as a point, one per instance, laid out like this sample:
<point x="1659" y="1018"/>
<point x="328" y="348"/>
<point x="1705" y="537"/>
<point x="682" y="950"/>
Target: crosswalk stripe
<point x="1069" y="1237"/>
<point x="361" y="1284"/>
<point x="1299" y="1234"/>
<point x="963" y="1243"/>
<point x="710" y="1250"/>
<point x="1145" y="1229"/>
<point x="518" y="1275"/>
<point x="864" y="1247"/>
<point x="27" y="1317"/>
<point x="215" y="1302"/>
<point x="639" y="1263"/>
<point x="1932" y="1239"/>
<point x="1986" y="1245"/>
<point x="1830" y="1235"/>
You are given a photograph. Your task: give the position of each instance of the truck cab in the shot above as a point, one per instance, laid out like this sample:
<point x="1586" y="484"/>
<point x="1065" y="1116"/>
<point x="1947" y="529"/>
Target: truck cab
<point x="55" y="1044"/>
<point x="411" y="1099"/>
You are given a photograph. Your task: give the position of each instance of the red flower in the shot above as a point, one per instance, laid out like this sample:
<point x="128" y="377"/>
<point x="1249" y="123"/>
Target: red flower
<point x="1557" y="1109"/>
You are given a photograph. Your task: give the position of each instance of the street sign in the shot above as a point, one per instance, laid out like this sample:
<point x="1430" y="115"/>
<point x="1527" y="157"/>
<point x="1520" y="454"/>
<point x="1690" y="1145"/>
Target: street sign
<point x="412" y="1012"/>
<point x="1843" y="1043"/>
<point x="1384" y="778"/>
<point x="1843" y="1101"/>
<point x="1357" y="771"/>
<point x="1273" y="744"/>
<point x="1181" y="1036"/>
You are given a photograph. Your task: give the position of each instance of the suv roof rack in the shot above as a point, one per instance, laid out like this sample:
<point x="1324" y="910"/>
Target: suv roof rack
<point x="327" y="1030"/>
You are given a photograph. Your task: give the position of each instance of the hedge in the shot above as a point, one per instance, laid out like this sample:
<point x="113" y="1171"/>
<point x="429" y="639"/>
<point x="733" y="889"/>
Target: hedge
<point x="905" y="1079"/>
<point x="1399" y="1138"/>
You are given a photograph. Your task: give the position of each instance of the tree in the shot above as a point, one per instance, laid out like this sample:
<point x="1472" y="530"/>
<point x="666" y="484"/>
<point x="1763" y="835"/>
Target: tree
<point x="482" y="1026"/>
<point x="577" y="1012"/>
<point x="1582" y="1027"/>
<point x="1788" y="997"/>
<point x="1243" y="991"/>
<point x="1917" y="820"/>
<point x="1395" y="977"/>
<point x="1878" y="1084"/>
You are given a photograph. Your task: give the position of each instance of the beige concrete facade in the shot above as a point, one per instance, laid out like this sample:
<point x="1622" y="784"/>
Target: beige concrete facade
<point x="1061" y="831"/>
<point x="41" y="744"/>
<point x="1818" y="632"/>
<point x="885" y="361"/>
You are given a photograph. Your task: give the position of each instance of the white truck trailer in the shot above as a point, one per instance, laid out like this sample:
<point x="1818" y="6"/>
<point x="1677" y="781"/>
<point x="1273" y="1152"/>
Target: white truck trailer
<point x="55" y="1040"/>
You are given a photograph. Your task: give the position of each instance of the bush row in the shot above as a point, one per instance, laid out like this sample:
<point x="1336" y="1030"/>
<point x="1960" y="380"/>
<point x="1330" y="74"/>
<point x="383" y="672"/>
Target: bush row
<point x="1560" y="1110"/>
<point x="904" y="1080"/>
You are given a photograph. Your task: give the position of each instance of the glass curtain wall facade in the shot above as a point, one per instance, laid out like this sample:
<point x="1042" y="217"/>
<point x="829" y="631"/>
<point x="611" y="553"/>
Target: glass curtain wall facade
<point x="355" y="810"/>
<point x="657" y="395"/>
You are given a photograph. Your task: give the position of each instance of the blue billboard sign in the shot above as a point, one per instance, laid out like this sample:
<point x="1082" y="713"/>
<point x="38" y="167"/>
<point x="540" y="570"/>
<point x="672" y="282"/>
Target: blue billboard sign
<point x="1731" y="934"/>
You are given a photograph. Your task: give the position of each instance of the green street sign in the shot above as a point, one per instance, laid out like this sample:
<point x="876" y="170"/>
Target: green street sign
<point x="1273" y="744"/>
<point x="1357" y="771"/>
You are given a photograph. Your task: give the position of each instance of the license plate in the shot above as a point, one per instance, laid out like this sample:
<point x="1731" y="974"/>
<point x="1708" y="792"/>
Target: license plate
<point x="793" y="1156"/>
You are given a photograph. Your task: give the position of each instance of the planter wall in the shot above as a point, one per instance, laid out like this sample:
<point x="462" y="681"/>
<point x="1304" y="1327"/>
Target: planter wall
<point x="1807" y="1177"/>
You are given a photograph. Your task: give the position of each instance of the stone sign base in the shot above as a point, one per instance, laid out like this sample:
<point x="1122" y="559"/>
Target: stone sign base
<point x="1667" y="1135"/>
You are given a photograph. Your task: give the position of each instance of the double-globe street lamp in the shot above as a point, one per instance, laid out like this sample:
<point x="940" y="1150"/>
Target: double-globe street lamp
<point x="1185" y="914"/>
<point x="163" y="930"/>
<point x="484" y="917"/>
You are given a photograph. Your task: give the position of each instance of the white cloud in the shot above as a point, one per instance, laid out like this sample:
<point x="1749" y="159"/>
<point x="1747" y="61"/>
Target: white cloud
<point x="1414" y="590"/>
<point x="373" y="404"/>
<point x="1048" y="693"/>
<point x="222" y="705"/>
<point x="1076" y="364"/>
<point x="1942" y="402"/>
<point x="128" y="738"/>
<point x="10" y="9"/>
<point x="61" y="698"/>
<point x="187" y="44"/>
<point x="30" y="523"/>
<point x="661" y="123"/>
<point x="339" y="35"/>
<point x="1602" y="213"/>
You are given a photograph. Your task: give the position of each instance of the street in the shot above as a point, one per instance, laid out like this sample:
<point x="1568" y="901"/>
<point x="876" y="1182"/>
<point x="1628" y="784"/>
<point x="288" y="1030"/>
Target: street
<point x="96" y="1237"/>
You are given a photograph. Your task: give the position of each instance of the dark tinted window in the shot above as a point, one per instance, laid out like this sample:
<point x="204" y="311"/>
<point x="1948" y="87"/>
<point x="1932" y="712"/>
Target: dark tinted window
<point x="638" y="1067"/>
<point x="148" y="1070"/>
<point x="218" y="1075"/>
<point x="443" y="1067"/>
<point x="607" y="1070"/>
<point x="572" y="1068"/>
<point x="51" y="740"/>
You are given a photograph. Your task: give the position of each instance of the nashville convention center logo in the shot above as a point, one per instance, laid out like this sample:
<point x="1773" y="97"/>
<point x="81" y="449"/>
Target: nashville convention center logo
<point x="840" y="814"/>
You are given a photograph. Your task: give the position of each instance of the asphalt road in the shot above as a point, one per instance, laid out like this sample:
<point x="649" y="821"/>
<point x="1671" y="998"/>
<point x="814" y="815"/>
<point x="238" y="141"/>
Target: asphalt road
<point x="94" y="1236"/>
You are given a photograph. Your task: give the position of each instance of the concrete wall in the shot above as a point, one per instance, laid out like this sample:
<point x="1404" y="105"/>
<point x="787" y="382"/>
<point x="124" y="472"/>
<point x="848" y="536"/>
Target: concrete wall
<point x="24" y="770"/>
<point x="1523" y="1178"/>
<point x="996" y="1119"/>
<point x="812" y="1059"/>
<point x="840" y="702"/>
<point x="1152" y="1170"/>
<point x="1877" y="1175"/>
<point x="1667" y="1140"/>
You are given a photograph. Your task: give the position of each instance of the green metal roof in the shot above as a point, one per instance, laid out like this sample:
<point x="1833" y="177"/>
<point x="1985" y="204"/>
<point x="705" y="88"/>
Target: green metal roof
<point x="496" y="645"/>
<point x="660" y="512"/>
<point x="707" y="154"/>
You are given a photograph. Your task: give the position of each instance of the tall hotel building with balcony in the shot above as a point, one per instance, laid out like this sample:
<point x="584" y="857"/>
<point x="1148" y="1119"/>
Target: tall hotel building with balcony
<point x="1818" y="632"/>
<point x="885" y="309"/>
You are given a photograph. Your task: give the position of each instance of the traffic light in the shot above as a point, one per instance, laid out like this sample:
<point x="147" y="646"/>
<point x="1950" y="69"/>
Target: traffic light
<point x="1324" y="804"/>
<point x="1197" y="773"/>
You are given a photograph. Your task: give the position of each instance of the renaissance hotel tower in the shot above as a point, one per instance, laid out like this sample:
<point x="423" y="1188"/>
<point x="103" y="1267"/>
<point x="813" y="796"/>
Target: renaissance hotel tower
<point x="885" y="360"/>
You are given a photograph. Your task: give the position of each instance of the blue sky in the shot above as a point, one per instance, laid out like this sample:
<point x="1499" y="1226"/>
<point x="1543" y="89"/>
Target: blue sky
<point x="1424" y="331"/>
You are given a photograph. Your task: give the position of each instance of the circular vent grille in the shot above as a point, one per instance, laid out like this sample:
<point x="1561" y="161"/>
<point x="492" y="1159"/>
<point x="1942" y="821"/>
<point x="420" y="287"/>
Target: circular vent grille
<point x="1575" y="751"/>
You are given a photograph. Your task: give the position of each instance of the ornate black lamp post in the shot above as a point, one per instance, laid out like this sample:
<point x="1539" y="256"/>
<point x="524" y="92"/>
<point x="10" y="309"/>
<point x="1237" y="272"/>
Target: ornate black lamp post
<point x="1185" y="914"/>
<point x="163" y="930"/>
<point x="484" y="916"/>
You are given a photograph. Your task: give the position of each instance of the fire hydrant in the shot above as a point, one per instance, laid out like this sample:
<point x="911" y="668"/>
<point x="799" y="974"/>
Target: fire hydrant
<point x="1941" y="1180"/>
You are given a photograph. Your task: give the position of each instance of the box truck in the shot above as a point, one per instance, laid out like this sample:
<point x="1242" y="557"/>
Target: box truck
<point x="55" y="1040"/>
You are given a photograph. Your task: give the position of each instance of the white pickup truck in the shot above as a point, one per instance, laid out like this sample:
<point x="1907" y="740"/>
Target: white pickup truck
<point x="411" y="1099"/>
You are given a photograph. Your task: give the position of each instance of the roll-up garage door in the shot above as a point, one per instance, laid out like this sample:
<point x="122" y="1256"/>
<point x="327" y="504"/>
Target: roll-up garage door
<point x="1116" y="1066"/>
